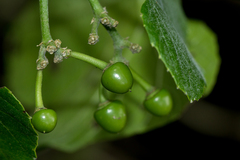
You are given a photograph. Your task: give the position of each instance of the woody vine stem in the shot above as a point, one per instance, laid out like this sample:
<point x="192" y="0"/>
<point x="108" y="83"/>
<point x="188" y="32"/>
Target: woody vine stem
<point x="54" y="46"/>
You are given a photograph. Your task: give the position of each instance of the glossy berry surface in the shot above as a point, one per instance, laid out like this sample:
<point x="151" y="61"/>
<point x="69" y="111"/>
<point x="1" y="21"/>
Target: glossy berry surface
<point x="117" y="78"/>
<point x="159" y="103"/>
<point x="111" y="117"/>
<point x="44" y="120"/>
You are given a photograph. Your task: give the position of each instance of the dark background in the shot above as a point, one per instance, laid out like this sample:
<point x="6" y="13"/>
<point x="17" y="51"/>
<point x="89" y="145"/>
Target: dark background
<point x="180" y="138"/>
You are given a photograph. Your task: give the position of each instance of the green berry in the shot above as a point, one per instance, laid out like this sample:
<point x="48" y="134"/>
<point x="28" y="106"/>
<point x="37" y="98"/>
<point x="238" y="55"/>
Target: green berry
<point x="159" y="103"/>
<point x="44" y="120"/>
<point x="117" y="78"/>
<point x="111" y="116"/>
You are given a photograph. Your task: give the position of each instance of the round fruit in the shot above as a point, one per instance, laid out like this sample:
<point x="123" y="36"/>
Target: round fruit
<point x="111" y="116"/>
<point x="117" y="78"/>
<point x="159" y="103"/>
<point x="44" y="120"/>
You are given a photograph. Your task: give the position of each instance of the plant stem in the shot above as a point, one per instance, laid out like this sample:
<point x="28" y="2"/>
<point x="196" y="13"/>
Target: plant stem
<point x="96" y="7"/>
<point x="102" y="65"/>
<point x="42" y="61"/>
<point x="102" y="98"/>
<point x="38" y="91"/>
<point x="117" y="39"/>
<point x="44" y="19"/>
<point x="94" y="61"/>
<point x="144" y="84"/>
<point x="118" y="43"/>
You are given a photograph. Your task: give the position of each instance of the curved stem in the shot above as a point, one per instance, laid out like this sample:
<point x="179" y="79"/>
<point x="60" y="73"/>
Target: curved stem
<point x="102" y="98"/>
<point x="102" y="65"/>
<point x="38" y="90"/>
<point x="94" y="61"/>
<point x="44" y="19"/>
<point x="144" y="84"/>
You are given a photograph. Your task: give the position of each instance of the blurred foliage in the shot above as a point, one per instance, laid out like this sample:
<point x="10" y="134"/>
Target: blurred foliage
<point x="71" y="87"/>
<point x="202" y="43"/>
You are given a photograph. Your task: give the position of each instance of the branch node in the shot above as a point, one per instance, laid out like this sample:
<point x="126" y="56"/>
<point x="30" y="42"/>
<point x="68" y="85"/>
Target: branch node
<point x="51" y="49"/>
<point x="93" y="38"/>
<point x="135" y="48"/>
<point x="58" y="43"/>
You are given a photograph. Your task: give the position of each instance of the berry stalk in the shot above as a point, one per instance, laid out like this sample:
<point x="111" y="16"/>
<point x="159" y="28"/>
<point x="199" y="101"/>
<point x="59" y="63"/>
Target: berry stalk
<point x="38" y="90"/>
<point x="102" y="65"/>
<point x="144" y="84"/>
<point x="91" y="60"/>
<point x="102" y="98"/>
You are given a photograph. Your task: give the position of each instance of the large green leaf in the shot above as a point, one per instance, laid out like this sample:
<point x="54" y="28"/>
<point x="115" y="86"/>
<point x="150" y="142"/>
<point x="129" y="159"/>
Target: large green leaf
<point x="160" y="18"/>
<point x="71" y="87"/>
<point x="18" y="140"/>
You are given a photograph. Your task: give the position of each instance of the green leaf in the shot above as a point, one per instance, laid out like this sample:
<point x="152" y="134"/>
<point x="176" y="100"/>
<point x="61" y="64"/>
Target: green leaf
<point x="18" y="140"/>
<point x="202" y="44"/>
<point x="168" y="38"/>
